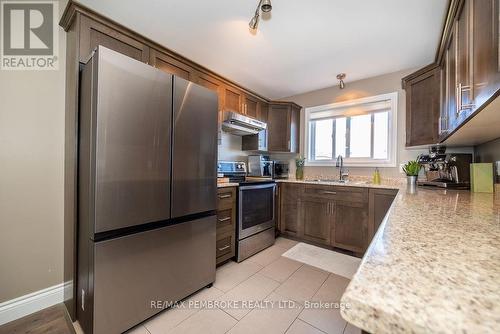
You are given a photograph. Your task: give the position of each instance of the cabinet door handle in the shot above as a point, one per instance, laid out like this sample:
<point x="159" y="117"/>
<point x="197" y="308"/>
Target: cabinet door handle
<point x="224" y="248"/>
<point x="224" y="196"/>
<point x="326" y="192"/>
<point x="224" y="219"/>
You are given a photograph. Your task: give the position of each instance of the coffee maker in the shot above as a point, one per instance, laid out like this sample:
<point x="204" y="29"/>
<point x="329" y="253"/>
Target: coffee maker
<point x="445" y="170"/>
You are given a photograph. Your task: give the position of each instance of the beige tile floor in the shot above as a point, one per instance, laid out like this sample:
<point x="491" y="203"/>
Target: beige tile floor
<point x="268" y="277"/>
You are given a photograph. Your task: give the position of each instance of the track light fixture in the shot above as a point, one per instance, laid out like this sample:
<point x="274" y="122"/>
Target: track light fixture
<point x="264" y="6"/>
<point x="341" y="78"/>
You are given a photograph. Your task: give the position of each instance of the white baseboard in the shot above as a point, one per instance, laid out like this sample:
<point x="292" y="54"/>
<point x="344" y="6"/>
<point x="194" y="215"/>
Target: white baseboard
<point x="33" y="302"/>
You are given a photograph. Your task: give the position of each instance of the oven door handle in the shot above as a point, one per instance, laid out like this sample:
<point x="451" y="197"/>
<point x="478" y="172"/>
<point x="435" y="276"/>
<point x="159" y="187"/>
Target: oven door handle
<point x="258" y="186"/>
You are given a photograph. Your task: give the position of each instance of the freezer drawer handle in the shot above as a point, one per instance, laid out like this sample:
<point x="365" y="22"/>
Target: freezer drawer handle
<point x="224" y="196"/>
<point x="224" y="219"/>
<point x="224" y="248"/>
<point x="330" y="192"/>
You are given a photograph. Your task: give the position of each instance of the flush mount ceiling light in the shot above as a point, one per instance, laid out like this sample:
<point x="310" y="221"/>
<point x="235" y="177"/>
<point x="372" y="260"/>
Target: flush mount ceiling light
<point x="341" y="78"/>
<point x="266" y="7"/>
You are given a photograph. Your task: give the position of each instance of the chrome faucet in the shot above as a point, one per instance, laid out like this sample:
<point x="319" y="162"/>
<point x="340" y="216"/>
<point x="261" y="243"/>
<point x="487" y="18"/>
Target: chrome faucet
<point x="343" y="174"/>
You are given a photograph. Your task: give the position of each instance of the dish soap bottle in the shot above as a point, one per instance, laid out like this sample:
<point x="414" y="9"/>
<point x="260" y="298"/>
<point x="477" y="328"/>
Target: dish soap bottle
<point x="376" y="176"/>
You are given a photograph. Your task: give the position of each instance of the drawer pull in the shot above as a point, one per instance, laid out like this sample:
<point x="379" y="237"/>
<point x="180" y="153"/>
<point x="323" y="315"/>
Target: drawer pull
<point x="330" y="192"/>
<point x="224" y="248"/>
<point x="224" y="196"/>
<point x="224" y="219"/>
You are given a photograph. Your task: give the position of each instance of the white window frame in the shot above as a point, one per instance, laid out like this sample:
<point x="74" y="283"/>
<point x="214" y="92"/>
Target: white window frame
<point x="337" y="110"/>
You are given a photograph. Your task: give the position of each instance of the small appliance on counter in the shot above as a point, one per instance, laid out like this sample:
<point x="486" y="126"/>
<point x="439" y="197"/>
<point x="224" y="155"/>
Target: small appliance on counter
<point x="281" y="170"/>
<point x="446" y="170"/>
<point x="256" y="209"/>
<point x="260" y="166"/>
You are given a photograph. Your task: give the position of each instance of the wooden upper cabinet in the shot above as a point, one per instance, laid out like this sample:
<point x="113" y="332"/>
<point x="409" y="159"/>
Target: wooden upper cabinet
<point x="170" y="65"/>
<point x="263" y="112"/>
<point x="485" y="69"/>
<point x="463" y="69"/>
<point x="93" y="33"/>
<point x="450" y="63"/>
<point x="283" y="122"/>
<point x="295" y="128"/>
<point x="423" y="106"/>
<point x="212" y="83"/>
<point x="251" y="106"/>
<point x="233" y="99"/>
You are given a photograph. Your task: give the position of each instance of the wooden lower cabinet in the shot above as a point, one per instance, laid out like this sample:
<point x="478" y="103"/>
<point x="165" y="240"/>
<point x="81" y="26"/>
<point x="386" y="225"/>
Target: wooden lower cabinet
<point x="333" y="216"/>
<point x="317" y="215"/>
<point x="226" y="224"/>
<point x="350" y="228"/>
<point x="289" y="208"/>
<point x="380" y="201"/>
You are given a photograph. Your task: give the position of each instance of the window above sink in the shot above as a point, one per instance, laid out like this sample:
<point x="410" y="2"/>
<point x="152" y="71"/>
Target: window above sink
<point x="363" y="131"/>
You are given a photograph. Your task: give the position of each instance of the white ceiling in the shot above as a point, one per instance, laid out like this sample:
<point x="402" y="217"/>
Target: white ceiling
<point x="301" y="47"/>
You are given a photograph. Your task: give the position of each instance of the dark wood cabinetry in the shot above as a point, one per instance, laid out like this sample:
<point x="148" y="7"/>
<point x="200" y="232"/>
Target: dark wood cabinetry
<point x="233" y="100"/>
<point x="283" y="123"/>
<point x="251" y="106"/>
<point x="485" y="65"/>
<point x="170" y="65"/>
<point x="350" y="230"/>
<point x="332" y="216"/>
<point x="380" y="200"/>
<point x="94" y="33"/>
<point x="318" y="215"/>
<point x="469" y="74"/>
<point x="289" y="210"/>
<point x="423" y="106"/>
<point x="226" y="224"/>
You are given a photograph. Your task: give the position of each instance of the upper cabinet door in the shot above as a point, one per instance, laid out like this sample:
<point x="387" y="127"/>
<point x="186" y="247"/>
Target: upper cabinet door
<point x="283" y="124"/>
<point x="278" y="123"/>
<point x="464" y="73"/>
<point x="251" y="106"/>
<point x="170" y="65"/>
<point x="422" y="108"/>
<point x="485" y="72"/>
<point x="233" y="100"/>
<point x="263" y="112"/>
<point x="93" y="33"/>
<point x="451" y="82"/>
<point x="295" y="128"/>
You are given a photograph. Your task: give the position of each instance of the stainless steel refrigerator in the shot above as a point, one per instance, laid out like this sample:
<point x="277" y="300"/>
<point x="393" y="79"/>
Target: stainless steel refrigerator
<point x="146" y="191"/>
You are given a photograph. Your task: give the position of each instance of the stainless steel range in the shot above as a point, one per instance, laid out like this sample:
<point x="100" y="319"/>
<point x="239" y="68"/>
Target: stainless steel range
<point x="256" y="209"/>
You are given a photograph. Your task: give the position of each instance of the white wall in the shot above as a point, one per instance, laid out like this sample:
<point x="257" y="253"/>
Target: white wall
<point x="31" y="178"/>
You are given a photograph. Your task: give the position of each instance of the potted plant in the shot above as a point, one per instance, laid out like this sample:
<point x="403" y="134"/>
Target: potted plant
<point x="411" y="169"/>
<point x="299" y="171"/>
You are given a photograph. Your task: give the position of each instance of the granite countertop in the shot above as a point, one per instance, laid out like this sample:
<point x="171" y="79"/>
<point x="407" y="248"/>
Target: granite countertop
<point x="432" y="267"/>
<point x="226" y="184"/>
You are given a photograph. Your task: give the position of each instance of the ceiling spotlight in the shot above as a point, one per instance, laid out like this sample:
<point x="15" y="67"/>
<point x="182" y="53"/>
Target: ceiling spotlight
<point x="341" y="78"/>
<point x="265" y="6"/>
<point x="254" y="22"/>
